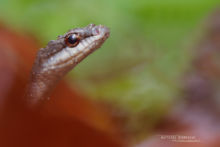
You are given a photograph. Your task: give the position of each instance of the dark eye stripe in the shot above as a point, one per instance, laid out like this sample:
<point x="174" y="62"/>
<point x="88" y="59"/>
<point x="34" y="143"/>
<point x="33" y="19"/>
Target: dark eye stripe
<point x="72" y="40"/>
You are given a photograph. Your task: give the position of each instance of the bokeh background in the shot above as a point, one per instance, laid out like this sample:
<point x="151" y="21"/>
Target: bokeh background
<point x="138" y="70"/>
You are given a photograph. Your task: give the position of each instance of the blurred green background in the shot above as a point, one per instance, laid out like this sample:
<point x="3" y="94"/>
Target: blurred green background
<point x="139" y="67"/>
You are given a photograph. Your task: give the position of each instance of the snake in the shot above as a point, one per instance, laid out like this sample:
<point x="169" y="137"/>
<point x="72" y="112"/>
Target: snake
<point x="59" y="57"/>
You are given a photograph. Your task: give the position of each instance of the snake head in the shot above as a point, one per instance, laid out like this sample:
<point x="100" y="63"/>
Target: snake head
<point x="71" y="48"/>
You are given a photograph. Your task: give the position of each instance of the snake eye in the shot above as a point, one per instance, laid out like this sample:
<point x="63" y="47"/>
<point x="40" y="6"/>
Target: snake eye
<point x="72" y="40"/>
